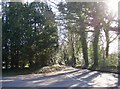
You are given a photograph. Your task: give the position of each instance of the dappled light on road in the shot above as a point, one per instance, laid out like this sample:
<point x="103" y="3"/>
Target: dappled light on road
<point x="69" y="77"/>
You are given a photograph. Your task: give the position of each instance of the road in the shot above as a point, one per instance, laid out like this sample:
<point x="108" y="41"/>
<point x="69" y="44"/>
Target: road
<point x="69" y="77"/>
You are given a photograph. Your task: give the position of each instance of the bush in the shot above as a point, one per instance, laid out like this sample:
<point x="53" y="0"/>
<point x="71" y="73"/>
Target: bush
<point x="48" y="69"/>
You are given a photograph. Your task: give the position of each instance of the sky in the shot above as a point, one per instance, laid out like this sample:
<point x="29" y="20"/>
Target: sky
<point x="113" y="6"/>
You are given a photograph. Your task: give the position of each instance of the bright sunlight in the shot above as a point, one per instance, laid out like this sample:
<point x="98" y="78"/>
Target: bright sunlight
<point x="112" y="5"/>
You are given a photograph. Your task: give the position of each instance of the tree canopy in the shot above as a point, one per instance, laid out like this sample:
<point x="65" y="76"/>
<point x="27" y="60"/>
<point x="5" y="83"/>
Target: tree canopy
<point x="35" y="36"/>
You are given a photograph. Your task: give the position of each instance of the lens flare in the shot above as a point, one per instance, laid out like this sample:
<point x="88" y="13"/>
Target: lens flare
<point x="112" y="6"/>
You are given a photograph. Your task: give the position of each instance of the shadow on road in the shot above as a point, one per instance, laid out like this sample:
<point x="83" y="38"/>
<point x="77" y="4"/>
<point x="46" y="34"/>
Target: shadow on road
<point x="76" y="80"/>
<point x="52" y="76"/>
<point x="14" y="80"/>
<point x="84" y="79"/>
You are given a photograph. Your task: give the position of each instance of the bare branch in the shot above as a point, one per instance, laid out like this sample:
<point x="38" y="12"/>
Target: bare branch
<point x="113" y="39"/>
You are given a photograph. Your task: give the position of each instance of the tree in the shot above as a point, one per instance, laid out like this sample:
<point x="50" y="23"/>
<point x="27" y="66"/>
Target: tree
<point x="97" y="16"/>
<point x="11" y="33"/>
<point x="29" y="33"/>
<point x="76" y="13"/>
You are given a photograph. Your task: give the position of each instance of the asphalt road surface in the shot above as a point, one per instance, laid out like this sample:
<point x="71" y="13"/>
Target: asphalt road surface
<point x="69" y="77"/>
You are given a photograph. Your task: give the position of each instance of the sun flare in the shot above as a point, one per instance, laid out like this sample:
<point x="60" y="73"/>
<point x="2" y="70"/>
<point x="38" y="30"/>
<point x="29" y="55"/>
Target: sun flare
<point x="112" y="6"/>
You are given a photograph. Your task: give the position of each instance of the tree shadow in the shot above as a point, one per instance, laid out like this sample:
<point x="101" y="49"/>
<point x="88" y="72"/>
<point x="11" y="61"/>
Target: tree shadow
<point x="39" y="78"/>
<point x="74" y="82"/>
<point x="51" y="76"/>
<point x="89" y="78"/>
<point x="84" y="79"/>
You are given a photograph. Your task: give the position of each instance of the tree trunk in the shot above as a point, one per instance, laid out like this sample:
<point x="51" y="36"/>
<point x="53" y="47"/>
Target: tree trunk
<point x="107" y="49"/>
<point x="12" y="64"/>
<point x="84" y="48"/>
<point x="16" y="64"/>
<point x="107" y="44"/>
<point x="65" y="57"/>
<point x="17" y="59"/>
<point x="44" y="59"/>
<point x="95" y="46"/>
<point x="6" y="64"/>
<point x="73" y="55"/>
<point x="31" y="63"/>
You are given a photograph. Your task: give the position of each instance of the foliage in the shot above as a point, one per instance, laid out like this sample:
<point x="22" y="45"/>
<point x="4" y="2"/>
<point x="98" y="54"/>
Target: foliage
<point x="29" y="34"/>
<point x="78" y="35"/>
<point x="87" y="21"/>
